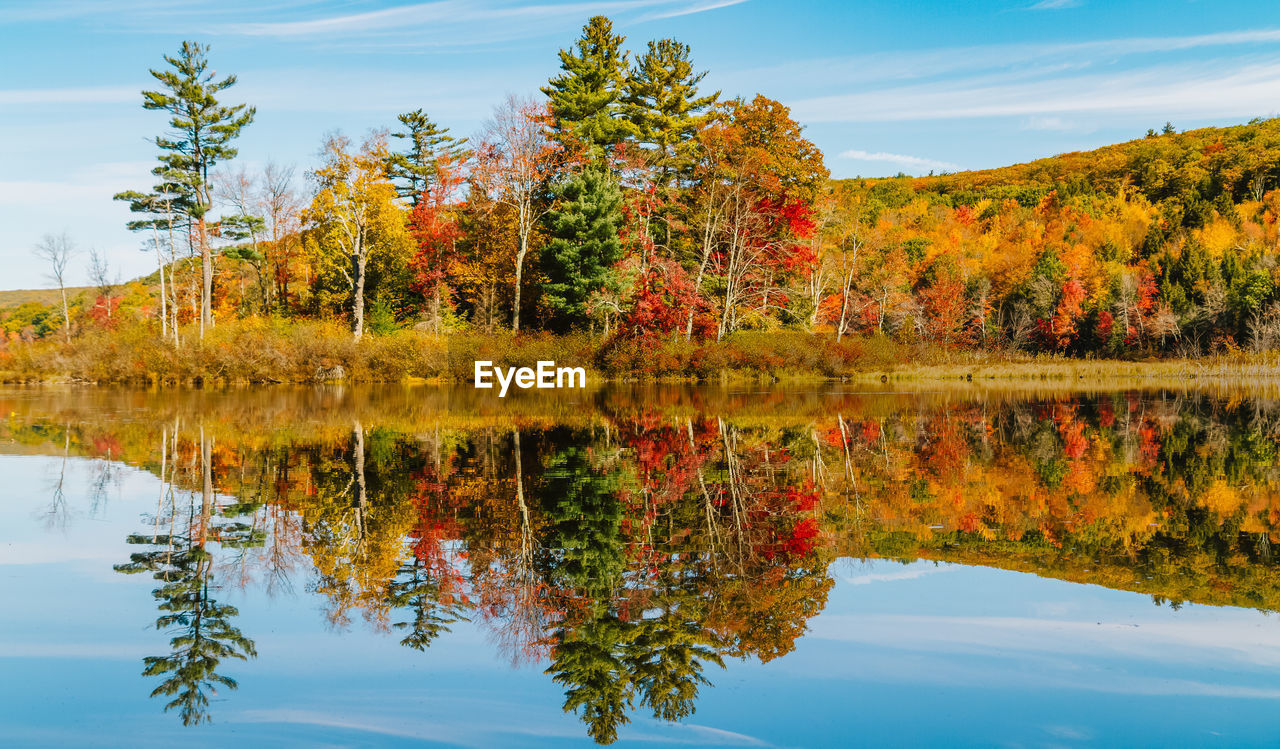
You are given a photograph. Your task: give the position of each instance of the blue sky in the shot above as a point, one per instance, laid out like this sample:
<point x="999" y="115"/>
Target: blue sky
<point x="881" y="87"/>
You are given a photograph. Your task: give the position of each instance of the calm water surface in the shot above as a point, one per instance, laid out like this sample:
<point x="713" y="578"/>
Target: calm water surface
<point x="407" y="566"/>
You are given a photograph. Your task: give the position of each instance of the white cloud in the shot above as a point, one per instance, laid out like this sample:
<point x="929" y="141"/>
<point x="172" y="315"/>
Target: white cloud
<point x="1202" y="90"/>
<point x="458" y="23"/>
<point x="62" y="10"/>
<point x="900" y="159"/>
<point x="1053" y="125"/>
<point x="77" y="650"/>
<point x="1239" y="640"/>
<point x="408" y="27"/>
<point x="884" y="77"/>
<point x="312" y="90"/>
<point x="912" y="572"/>
<point x="699" y="7"/>
<point x="1055" y="5"/>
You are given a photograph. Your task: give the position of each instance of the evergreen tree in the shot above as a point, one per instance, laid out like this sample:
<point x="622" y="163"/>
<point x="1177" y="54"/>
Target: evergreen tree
<point x="204" y="131"/>
<point x="413" y="168"/>
<point x="586" y="100"/>
<point x="663" y="104"/>
<point x="161" y="209"/>
<point x="584" y="246"/>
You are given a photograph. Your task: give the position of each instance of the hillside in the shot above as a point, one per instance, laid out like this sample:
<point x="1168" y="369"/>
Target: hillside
<point x="1195" y="168"/>
<point x="43" y="297"/>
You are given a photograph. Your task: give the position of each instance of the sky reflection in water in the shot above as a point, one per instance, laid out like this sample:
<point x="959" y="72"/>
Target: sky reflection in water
<point x="638" y="539"/>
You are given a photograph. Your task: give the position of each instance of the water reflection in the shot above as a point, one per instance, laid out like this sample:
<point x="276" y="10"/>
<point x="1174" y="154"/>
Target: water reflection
<point x="631" y="542"/>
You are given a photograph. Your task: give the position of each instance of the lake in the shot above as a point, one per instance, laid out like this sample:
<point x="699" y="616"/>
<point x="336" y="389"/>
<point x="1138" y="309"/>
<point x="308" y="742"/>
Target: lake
<point x="653" y="565"/>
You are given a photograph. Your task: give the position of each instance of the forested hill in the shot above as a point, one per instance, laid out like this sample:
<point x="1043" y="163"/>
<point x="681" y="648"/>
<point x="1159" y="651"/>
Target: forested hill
<point x="1167" y="243"/>
<point x="1195" y="169"/>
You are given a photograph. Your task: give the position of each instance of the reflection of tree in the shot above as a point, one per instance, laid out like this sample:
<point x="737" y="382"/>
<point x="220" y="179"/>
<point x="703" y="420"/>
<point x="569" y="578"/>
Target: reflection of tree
<point x="634" y="550"/>
<point x="589" y="662"/>
<point x="585" y="556"/>
<point x="58" y="515"/>
<point x="602" y="655"/>
<point x="418" y="588"/>
<point x="203" y="633"/>
<point x="665" y="658"/>
<point x="355" y="522"/>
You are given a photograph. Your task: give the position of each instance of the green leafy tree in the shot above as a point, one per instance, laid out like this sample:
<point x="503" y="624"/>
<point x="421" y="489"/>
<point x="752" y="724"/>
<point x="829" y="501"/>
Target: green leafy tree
<point x="584" y="246"/>
<point x="589" y="663"/>
<point x="665" y="658"/>
<point x="203" y="131"/>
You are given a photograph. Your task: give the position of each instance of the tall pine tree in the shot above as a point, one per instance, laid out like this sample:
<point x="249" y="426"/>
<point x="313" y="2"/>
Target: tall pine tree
<point x="204" y="130"/>
<point x="586" y="100"/>
<point x="663" y="105"/>
<point x="584" y="246"/>
<point x="413" y="169"/>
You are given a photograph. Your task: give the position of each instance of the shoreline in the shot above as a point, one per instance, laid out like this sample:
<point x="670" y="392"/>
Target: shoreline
<point x="264" y="352"/>
<point x="1105" y="374"/>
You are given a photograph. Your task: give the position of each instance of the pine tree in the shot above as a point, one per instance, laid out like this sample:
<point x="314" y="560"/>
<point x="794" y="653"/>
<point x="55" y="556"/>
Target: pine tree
<point x="584" y="246"/>
<point x="205" y="129"/>
<point x="413" y="169"/>
<point x="163" y="211"/>
<point x="586" y="100"/>
<point x="663" y="104"/>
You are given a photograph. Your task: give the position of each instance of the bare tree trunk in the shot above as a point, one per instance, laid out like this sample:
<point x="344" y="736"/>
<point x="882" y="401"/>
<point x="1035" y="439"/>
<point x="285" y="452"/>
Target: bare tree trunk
<point x="844" y="305"/>
<point x="708" y="237"/>
<point x="358" y="302"/>
<point x="164" y="308"/>
<point x="66" y="314"/>
<point x="206" y="278"/>
<point x="520" y="253"/>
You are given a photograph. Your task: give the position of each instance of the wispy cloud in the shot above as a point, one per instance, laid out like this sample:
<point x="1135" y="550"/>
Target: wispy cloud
<point x="688" y="10"/>
<point x="1239" y="640"/>
<point x="1005" y="64"/>
<point x="1055" y="5"/>
<point x="452" y="99"/>
<point x="1054" y="125"/>
<point x="356" y="25"/>
<point x="900" y="159"/>
<point x="35" y="11"/>
<point x="97" y="182"/>
<point x="1200" y="90"/>
<point x="911" y="572"/>
<point x="457" y="23"/>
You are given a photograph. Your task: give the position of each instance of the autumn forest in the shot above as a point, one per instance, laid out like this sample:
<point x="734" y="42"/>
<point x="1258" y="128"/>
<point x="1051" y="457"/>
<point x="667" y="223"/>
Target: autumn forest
<point x="630" y="220"/>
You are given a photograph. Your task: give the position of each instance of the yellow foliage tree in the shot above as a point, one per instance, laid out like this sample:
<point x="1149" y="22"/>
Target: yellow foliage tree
<point x="354" y="216"/>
